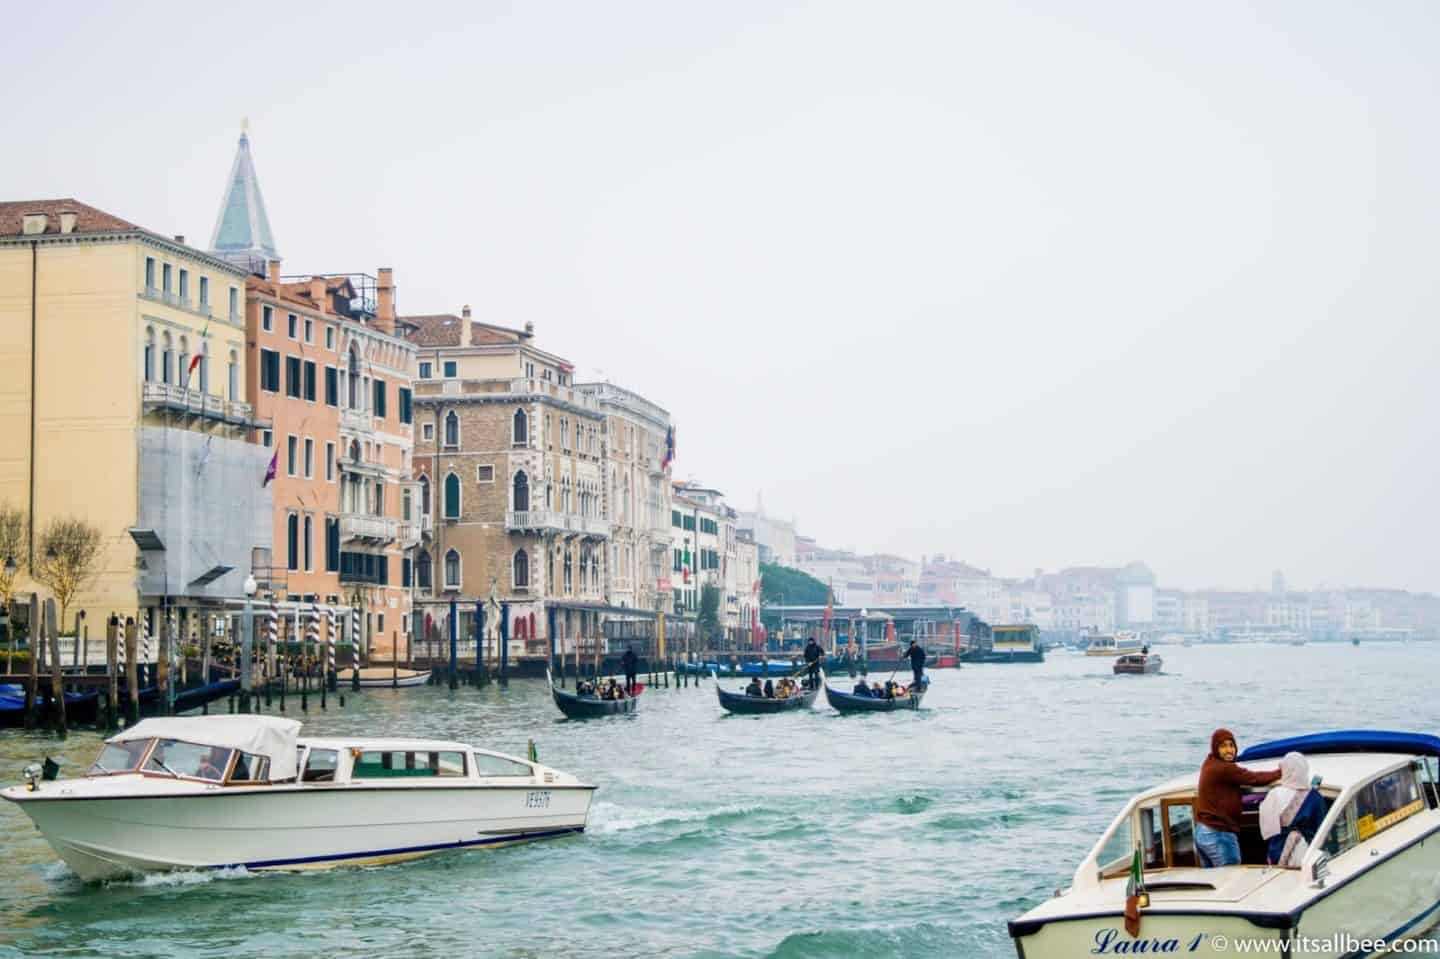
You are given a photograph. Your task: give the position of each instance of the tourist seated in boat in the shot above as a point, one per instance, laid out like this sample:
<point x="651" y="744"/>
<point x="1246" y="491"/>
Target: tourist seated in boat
<point x="584" y="688"/>
<point x="1291" y="813"/>
<point x="769" y="689"/>
<point x="754" y="689"/>
<point x="861" y="689"/>
<point x="1219" y="803"/>
<point x="876" y="692"/>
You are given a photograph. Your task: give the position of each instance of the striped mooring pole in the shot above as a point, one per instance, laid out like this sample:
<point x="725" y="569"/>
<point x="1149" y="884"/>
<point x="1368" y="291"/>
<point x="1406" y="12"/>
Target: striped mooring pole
<point x="272" y="635"/>
<point x="330" y="649"/>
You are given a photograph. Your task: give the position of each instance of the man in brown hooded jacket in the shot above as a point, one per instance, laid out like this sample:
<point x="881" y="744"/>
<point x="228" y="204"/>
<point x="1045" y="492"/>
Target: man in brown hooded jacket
<point x="1217" y="802"/>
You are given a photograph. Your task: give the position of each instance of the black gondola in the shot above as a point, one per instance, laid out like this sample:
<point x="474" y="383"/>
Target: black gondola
<point x="850" y="703"/>
<point x="758" y="705"/>
<point x="591" y="707"/>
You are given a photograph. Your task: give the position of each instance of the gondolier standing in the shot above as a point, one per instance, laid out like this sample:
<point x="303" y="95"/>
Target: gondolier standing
<point x="629" y="661"/>
<point x="813" y="652"/>
<point x="916" y="655"/>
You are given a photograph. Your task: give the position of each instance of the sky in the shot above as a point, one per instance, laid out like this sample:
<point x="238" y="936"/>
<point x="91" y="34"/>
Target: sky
<point x="1028" y="284"/>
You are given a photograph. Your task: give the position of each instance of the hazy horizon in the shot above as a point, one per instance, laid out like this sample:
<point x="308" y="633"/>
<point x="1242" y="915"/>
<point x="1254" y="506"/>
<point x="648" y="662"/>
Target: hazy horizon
<point x="1031" y="285"/>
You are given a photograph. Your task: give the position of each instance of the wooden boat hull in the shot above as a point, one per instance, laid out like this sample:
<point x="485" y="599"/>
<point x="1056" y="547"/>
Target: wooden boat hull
<point x="379" y="677"/>
<point x="585" y="707"/>
<point x="850" y="703"/>
<point x="744" y="705"/>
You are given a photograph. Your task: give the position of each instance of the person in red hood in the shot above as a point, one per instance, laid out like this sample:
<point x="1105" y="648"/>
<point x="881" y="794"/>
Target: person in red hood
<point x="1217" y="802"/>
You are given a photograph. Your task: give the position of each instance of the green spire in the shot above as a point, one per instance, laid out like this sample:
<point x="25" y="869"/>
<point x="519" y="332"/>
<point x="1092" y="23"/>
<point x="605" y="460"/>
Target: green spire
<point x="243" y="227"/>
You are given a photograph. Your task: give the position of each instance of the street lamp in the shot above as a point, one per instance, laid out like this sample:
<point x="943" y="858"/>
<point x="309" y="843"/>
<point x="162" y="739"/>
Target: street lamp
<point x="247" y="643"/>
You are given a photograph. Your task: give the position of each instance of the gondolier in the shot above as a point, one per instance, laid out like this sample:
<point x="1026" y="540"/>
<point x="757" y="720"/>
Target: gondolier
<point x="813" y="652"/>
<point x="916" y="655"/>
<point x="629" y="661"/>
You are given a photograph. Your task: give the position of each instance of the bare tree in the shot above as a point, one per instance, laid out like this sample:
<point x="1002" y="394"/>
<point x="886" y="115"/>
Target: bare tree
<point x="14" y="542"/>
<point x="65" y="558"/>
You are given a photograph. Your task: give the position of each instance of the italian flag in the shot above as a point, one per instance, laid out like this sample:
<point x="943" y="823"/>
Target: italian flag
<point x="1134" y="891"/>
<point x="199" y="349"/>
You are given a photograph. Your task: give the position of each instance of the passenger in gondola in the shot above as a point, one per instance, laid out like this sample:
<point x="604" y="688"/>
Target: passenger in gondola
<point x="861" y="688"/>
<point x="876" y="692"/>
<point x="769" y="689"/>
<point x="754" y="688"/>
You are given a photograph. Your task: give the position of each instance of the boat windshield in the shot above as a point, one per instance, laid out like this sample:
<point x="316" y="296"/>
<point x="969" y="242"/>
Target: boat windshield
<point x="177" y="758"/>
<point x="119" y="757"/>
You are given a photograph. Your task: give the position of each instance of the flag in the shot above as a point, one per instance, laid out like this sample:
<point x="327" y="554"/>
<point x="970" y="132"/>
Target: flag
<point x="829" y="609"/>
<point x="199" y="349"/>
<point x="1134" y="896"/>
<point x="270" y="470"/>
<point x="756" y="587"/>
<point x="669" y="456"/>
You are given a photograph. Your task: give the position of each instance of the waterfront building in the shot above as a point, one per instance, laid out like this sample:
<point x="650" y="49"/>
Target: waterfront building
<point x="699" y="521"/>
<point x="332" y="378"/>
<point x="746" y="580"/>
<point x="126" y="404"/>
<point x="896" y="579"/>
<point x="508" y="464"/>
<point x="774" y="537"/>
<point x="636" y="496"/>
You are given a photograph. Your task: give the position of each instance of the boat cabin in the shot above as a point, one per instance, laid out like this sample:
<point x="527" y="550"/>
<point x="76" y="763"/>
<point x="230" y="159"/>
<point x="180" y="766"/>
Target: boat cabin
<point x="1365" y="794"/>
<point x="382" y="761"/>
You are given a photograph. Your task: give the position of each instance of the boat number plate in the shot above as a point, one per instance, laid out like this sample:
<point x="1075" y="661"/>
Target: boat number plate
<point x="538" y="799"/>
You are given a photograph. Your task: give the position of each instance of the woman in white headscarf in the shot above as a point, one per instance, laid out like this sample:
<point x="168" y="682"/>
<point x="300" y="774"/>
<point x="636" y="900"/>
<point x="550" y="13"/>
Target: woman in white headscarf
<point x="1291" y="812"/>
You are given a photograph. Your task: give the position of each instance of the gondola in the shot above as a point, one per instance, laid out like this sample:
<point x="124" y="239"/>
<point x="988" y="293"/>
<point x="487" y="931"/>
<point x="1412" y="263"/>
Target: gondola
<point x="756" y="705"/>
<point x="850" y="703"/>
<point x="591" y="707"/>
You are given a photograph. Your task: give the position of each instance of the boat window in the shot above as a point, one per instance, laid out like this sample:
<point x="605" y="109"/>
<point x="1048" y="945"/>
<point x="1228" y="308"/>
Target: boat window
<point x="489" y="767"/>
<point x="1180" y="825"/>
<point x="177" y="758"/>
<point x="1152" y="838"/>
<point x="120" y="757"/>
<point x="321" y="765"/>
<point x="1429" y="785"/>
<point x="386" y="764"/>
<point x="1386" y="801"/>
<point x="1114" y="857"/>
<point x="250" y="768"/>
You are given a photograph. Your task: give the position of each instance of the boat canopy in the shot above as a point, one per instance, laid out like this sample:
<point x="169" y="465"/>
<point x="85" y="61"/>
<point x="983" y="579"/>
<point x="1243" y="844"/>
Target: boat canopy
<point x="268" y="736"/>
<point x="1348" y="741"/>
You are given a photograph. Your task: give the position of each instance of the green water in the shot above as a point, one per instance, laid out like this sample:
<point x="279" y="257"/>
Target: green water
<point x="814" y="834"/>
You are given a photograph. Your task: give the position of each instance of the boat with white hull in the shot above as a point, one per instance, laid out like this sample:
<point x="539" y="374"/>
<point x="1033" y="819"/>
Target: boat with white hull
<point x="1371" y="877"/>
<point x="246" y="791"/>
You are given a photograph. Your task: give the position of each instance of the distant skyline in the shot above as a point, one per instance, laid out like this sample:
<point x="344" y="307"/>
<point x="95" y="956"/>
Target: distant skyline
<point x="1033" y="284"/>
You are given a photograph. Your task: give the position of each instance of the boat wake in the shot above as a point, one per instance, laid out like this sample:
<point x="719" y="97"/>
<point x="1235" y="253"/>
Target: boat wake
<point x="182" y="878"/>
<point x="608" y="818"/>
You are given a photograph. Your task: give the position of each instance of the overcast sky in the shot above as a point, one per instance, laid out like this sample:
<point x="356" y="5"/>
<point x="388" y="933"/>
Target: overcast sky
<point x="1031" y="284"/>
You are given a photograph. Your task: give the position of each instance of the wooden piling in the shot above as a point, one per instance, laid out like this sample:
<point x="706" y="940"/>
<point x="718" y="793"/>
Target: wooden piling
<point x="57" y="677"/>
<point x="162" y="672"/>
<point x="112" y="670"/>
<point x="36" y="643"/>
<point x="132" y="669"/>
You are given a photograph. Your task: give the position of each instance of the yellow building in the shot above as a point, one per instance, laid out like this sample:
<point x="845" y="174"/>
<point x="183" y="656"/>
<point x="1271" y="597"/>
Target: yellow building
<point x="99" y="321"/>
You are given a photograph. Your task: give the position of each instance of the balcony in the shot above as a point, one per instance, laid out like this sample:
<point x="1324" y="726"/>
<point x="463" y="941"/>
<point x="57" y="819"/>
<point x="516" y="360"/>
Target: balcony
<point x="368" y="529"/>
<point x="549" y="521"/>
<point x="178" y="399"/>
<point x="356" y="421"/>
<point x="408" y="534"/>
<point x="535" y="521"/>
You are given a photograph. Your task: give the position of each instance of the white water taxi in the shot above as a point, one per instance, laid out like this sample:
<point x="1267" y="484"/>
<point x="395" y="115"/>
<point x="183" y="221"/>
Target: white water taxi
<point x="1371" y="877"/>
<point x="225" y="791"/>
<point x="1116" y="645"/>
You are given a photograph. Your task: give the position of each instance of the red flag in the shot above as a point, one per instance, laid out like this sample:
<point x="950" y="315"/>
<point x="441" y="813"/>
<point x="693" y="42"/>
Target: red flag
<point x="270" y="470"/>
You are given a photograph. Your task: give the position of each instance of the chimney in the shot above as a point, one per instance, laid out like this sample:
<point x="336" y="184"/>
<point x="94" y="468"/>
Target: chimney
<point x="272" y="271"/>
<point x="529" y="327"/>
<point x="67" y="221"/>
<point x="317" y="294"/>
<point x="385" y="300"/>
<point x="180" y="238"/>
<point x="33" y="223"/>
<point x="465" y="312"/>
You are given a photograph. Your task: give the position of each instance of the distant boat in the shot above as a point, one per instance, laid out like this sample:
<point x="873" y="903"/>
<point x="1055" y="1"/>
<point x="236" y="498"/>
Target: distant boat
<point x="759" y="705"/>
<point x="1116" y="645"/>
<point x="591" y="707"/>
<point x="384" y="677"/>
<point x="1137" y="664"/>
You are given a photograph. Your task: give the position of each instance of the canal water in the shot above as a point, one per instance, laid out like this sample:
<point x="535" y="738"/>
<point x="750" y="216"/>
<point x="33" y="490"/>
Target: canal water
<point x="815" y="834"/>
